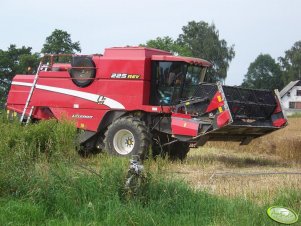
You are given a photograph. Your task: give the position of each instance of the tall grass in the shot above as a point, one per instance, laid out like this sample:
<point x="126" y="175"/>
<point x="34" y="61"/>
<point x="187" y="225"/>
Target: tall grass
<point x="24" y="148"/>
<point x="44" y="181"/>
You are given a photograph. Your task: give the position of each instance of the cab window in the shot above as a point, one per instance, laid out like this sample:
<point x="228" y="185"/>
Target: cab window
<point x="167" y="82"/>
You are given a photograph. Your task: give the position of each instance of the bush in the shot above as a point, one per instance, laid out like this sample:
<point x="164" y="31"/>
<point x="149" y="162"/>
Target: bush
<point x="22" y="148"/>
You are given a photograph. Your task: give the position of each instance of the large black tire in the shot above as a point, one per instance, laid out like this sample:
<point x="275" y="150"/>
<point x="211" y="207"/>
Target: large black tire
<point x="178" y="150"/>
<point x="127" y="136"/>
<point x="175" y="151"/>
<point x="88" y="148"/>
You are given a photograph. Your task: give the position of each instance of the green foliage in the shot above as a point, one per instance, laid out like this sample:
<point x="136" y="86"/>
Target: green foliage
<point x="295" y="115"/>
<point x="266" y="73"/>
<point x="23" y="147"/>
<point x="4" y="87"/>
<point x="17" y="61"/>
<point x="168" y="44"/>
<point x="263" y="73"/>
<point x="204" y="42"/>
<point x="201" y="40"/>
<point x="291" y="63"/>
<point x="60" y="42"/>
<point x="22" y="61"/>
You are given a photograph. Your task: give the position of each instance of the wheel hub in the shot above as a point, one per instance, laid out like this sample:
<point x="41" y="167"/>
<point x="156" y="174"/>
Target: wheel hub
<point x="129" y="142"/>
<point x="124" y="142"/>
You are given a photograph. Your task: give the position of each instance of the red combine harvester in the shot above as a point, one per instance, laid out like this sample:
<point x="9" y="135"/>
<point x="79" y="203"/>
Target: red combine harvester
<point x="131" y="99"/>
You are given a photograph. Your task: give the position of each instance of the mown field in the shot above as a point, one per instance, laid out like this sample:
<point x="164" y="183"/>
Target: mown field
<point x="44" y="182"/>
<point x="257" y="171"/>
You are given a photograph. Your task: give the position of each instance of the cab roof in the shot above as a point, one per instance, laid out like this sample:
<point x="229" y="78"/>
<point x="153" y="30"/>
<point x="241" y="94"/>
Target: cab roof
<point x="189" y="60"/>
<point x="154" y="54"/>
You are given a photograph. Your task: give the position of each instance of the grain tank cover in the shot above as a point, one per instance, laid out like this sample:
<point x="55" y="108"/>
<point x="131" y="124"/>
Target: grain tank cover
<point x="132" y="53"/>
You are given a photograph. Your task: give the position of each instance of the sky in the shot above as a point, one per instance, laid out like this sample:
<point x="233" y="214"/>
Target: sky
<point x="252" y="26"/>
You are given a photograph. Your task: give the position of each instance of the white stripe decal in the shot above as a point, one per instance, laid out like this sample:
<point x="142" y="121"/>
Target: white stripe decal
<point x="21" y="83"/>
<point x="84" y="95"/>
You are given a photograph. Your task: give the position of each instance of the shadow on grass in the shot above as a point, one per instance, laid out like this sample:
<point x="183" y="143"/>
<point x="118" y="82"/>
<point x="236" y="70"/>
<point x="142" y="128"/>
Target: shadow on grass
<point x="235" y="161"/>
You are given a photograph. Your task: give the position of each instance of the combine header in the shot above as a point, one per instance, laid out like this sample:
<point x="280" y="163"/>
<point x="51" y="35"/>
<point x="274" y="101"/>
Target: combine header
<point x="132" y="98"/>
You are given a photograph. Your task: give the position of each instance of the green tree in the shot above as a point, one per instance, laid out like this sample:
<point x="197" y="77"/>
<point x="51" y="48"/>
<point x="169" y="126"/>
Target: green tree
<point x="60" y="42"/>
<point x="15" y="61"/>
<point x="168" y="44"/>
<point x="4" y="86"/>
<point x="263" y="73"/>
<point x="203" y="41"/>
<point x="291" y="63"/>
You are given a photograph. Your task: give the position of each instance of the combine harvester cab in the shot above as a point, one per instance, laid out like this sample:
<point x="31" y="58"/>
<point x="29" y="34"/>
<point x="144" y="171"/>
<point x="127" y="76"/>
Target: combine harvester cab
<point x="225" y="113"/>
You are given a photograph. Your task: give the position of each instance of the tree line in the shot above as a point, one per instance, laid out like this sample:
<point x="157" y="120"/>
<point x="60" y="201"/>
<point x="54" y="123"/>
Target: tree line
<point x="198" y="39"/>
<point x="201" y="40"/>
<point x="268" y="73"/>
<point x="22" y="60"/>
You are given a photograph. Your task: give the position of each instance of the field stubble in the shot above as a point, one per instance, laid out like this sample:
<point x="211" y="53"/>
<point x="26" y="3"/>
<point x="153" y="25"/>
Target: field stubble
<point x="258" y="171"/>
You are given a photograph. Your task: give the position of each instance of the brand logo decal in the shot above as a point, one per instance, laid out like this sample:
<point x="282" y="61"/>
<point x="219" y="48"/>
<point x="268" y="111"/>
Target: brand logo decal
<point x="82" y="116"/>
<point x="125" y="76"/>
<point x="101" y="100"/>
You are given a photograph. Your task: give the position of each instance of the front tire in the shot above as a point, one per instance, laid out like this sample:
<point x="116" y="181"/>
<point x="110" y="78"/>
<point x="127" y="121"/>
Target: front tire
<point x="178" y="151"/>
<point x="175" y="151"/>
<point x="127" y="136"/>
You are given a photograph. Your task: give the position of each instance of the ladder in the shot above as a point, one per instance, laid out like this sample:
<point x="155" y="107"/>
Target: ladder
<point x="29" y="97"/>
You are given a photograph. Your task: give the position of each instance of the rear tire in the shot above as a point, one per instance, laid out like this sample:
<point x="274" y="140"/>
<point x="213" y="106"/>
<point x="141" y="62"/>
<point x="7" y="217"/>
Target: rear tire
<point x="127" y="136"/>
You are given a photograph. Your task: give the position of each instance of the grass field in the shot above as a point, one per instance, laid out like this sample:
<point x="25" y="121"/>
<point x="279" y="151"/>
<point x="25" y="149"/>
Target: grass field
<point x="44" y="182"/>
